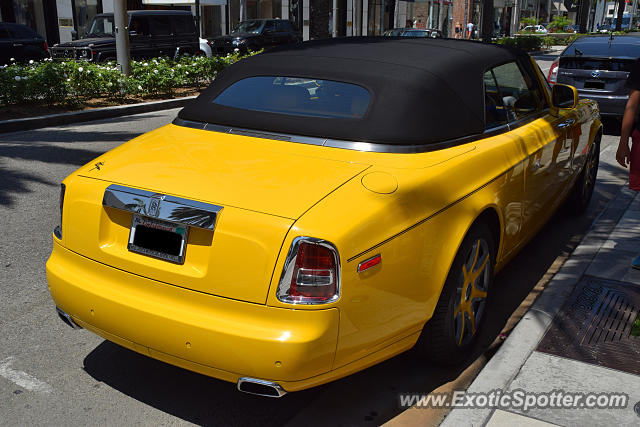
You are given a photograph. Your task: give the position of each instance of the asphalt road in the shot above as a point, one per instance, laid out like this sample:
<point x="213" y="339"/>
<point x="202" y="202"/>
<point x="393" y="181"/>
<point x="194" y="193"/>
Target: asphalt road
<point x="53" y="375"/>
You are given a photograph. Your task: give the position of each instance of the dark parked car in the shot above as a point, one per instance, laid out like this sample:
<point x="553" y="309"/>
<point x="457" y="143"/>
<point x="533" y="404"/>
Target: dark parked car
<point x="413" y="32"/>
<point x="598" y="67"/>
<point x="256" y="34"/>
<point x="21" y="43"/>
<point x="151" y="33"/>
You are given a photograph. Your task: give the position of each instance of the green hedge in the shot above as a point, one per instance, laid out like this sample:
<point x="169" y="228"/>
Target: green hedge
<point x="70" y="82"/>
<point x="522" y="42"/>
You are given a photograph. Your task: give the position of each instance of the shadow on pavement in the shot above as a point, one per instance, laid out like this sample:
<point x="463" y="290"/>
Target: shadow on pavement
<point x="12" y="183"/>
<point x="49" y="154"/>
<point x="80" y="132"/>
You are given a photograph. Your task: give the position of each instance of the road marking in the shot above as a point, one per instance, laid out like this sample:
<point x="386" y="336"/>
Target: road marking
<point x="22" y="379"/>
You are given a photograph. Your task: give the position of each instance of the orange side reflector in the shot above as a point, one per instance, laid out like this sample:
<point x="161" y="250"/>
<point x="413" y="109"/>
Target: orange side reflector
<point x="371" y="262"/>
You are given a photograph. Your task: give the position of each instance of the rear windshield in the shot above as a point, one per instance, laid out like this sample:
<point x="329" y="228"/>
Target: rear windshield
<point x="297" y="96"/>
<point x="621" y="47"/>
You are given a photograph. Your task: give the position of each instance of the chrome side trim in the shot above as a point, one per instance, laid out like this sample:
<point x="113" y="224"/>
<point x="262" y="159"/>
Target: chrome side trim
<point x="343" y="144"/>
<point x="167" y="208"/>
<point x="67" y="319"/>
<point x="278" y="391"/>
<point x="288" y="268"/>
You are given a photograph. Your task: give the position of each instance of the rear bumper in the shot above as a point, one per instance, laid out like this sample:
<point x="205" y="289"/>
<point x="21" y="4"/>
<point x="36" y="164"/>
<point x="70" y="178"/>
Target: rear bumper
<point x="607" y="104"/>
<point x="219" y="337"/>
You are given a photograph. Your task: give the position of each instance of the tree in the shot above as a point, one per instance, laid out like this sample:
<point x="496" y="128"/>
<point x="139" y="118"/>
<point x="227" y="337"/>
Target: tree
<point x="487" y="20"/>
<point x="583" y="15"/>
<point x="621" y="4"/>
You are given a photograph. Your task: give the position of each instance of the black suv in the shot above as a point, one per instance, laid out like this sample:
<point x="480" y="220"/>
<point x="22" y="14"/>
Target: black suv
<point x="151" y="33"/>
<point x="256" y="34"/>
<point x="21" y="43"/>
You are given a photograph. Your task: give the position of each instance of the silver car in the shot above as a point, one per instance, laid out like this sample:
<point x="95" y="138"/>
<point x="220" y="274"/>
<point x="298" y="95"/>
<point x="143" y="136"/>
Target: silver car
<point x="598" y="67"/>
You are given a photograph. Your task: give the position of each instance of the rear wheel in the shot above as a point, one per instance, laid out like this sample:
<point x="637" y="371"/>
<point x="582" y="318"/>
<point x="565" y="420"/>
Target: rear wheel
<point x="583" y="188"/>
<point x="460" y="312"/>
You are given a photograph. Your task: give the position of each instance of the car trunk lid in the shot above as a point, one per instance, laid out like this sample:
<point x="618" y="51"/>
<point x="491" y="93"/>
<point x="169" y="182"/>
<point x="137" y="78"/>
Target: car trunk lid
<point x="595" y="74"/>
<point x="260" y="193"/>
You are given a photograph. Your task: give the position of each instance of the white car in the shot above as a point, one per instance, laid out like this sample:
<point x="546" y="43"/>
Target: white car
<point x="205" y="49"/>
<point x="535" y="29"/>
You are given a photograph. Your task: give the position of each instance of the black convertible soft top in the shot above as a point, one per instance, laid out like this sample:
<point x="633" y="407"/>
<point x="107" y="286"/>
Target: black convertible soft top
<point x="422" y="90"/>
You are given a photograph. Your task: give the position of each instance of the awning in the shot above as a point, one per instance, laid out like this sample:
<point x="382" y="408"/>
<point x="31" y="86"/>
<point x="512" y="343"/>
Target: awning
<point x="184" y="2"/>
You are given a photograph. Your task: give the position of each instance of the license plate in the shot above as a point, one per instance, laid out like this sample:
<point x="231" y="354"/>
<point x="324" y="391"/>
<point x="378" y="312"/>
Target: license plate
<point x="158" y="239"/>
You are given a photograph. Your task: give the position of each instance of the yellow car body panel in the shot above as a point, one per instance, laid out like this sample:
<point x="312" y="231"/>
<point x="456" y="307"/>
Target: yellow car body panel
<point x="218" y="313"/>
<point x="237" y="337"/>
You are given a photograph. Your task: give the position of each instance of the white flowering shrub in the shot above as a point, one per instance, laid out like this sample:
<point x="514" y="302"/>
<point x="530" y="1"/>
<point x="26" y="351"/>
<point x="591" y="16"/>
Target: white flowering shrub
<point x="74" y="82"/>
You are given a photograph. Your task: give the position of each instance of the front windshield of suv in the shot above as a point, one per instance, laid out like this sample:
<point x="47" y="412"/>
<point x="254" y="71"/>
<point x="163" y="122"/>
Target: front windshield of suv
<point x="248" y="27"/>
<point x="102" y="26"/>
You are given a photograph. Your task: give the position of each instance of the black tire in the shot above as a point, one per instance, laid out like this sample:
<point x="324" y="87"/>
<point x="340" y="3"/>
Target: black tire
<point x="451" y="333"/>
<point x="582" y="191"/>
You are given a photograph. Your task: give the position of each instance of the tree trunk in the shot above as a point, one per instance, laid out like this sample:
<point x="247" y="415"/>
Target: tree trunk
<point x="583" y="17"/>
<point x="487" y="20"/>
<point x="621" y="4"/>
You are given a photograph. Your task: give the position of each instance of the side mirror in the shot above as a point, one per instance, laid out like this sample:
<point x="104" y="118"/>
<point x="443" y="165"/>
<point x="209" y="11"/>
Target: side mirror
<point x="564" y="96"/>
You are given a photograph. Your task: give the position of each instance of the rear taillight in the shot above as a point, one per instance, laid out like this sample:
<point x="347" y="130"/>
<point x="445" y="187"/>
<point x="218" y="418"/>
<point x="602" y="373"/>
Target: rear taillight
<point x="46" y="47"/>
<point x="553" y="72"/>
<point x="311" y="273"/>
<point x="58" y="230"/>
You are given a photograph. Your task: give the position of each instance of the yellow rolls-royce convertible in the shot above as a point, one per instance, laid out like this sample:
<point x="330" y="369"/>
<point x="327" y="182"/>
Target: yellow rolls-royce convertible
<point x="322" y="207"/>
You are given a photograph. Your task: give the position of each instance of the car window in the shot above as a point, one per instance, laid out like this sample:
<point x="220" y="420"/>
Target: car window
<point x="296" y="96"/>
<point x="160" y="25"/>
<point x="494" y="112"/>
<point x="253" y="27"/>
<point x="602" y="47"/>
<point x="536" y="89"/>
<point x="518" y="90"/>
<point x="270" y="26"/>
<point x="21" y="32"/>
<point x="282" y="26"/>
<point x="102" y="26"/>
<point x="4" y="33"/>
<point x="140" y="25"/>
<point x="416" y="33"/>
<point x="183" y="24"/>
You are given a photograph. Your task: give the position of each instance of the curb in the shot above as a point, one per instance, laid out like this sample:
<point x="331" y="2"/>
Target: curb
<point x="30" y="123"/>
<point x="505" y="365"/>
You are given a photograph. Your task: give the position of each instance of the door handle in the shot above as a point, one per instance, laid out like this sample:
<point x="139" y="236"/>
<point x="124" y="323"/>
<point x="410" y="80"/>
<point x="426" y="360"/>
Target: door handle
<point x="17" y="44"/>
<point x="566" y="123"/>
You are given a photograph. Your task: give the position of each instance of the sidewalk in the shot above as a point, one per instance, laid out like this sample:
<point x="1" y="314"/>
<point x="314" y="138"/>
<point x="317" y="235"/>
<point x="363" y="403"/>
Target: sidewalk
<point x="576" y="336"/>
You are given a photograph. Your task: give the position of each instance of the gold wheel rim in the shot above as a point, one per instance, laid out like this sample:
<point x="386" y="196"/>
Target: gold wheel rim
<point x="471" y="292"/>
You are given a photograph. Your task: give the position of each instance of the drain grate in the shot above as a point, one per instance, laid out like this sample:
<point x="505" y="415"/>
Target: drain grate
<point x="596" y="325"/>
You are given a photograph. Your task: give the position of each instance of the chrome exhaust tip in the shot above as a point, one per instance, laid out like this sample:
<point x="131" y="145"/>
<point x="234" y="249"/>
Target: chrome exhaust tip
<point x="260" y="387"/>
<point x="67" y="319"/>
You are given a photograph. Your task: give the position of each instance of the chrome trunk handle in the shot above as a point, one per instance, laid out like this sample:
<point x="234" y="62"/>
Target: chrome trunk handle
<point x="161" y="206"/>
